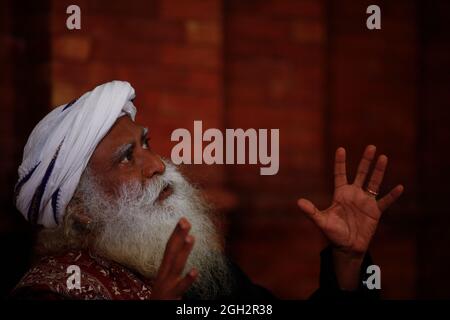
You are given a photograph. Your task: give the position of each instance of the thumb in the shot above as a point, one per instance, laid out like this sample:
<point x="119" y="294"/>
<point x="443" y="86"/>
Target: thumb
<point x="311" y="210"/>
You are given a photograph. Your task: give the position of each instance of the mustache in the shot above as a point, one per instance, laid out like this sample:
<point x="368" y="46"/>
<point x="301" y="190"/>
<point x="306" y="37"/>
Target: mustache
<point x="150" y="191"/>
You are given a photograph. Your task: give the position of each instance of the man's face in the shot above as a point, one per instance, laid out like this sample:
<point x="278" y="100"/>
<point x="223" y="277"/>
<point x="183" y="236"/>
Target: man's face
<point x="135" y="199"/>
<point x="124" y="156"/>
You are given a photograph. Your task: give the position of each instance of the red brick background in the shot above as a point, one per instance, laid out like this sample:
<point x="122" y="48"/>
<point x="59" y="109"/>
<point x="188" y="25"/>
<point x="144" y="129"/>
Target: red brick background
<point x="308" y="67"/>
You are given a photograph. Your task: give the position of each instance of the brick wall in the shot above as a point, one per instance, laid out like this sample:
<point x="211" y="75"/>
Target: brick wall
<point x="275" y="78"/>
<point x="373" y="99"/>
<point x="307" y="67"/>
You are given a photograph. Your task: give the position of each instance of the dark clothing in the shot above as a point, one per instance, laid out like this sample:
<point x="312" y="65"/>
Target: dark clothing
<point x="329" y="287"/>
<point x="245" y="289"/>
<point x="101" y="279"/>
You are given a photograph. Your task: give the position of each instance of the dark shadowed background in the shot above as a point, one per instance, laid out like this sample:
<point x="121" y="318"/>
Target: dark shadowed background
<point x="308" y="67"/>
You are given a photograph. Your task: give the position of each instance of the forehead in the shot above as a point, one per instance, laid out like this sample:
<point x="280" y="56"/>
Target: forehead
<point x="123" y="131"/>
<point x="123" y="128"/>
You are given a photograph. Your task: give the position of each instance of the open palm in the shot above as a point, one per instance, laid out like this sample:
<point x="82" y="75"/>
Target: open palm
<point x="351" y="220"/>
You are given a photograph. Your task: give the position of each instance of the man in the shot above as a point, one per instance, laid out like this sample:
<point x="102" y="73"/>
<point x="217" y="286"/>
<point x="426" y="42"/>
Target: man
<point x="134" y="228"/>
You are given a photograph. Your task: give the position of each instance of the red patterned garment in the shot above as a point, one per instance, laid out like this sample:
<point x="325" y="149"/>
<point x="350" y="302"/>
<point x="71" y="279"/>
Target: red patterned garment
<point x="100" y="279"/>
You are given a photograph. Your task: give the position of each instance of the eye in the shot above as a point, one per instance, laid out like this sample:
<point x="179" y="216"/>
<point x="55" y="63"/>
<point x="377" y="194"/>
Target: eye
<point x="127" y="157"/>
<point x="146" y="144"/>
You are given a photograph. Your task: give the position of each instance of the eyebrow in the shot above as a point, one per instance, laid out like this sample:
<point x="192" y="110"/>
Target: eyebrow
<point x="124" y="149"/>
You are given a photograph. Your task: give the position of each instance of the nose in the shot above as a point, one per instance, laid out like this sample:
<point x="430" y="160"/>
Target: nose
<point x="153" y="165"/>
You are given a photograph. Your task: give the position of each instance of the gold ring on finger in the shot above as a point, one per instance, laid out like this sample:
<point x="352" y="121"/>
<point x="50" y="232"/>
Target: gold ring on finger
<point x="371" y="192"/>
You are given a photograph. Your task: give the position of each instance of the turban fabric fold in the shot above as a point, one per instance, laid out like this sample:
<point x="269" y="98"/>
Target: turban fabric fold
<point x="60" y="146"/>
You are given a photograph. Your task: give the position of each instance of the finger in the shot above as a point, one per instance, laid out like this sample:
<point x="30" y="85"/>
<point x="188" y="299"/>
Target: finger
<point x="364" y="165"/>
<point x="182" y="256"/>
<point x="340" y="174"/>
<point x="313" y="213"/>
<point x="378" y="174"/>
<point x="390" y="198"/>
<point x="186" y="283"/>
<point x="174" y="244"/>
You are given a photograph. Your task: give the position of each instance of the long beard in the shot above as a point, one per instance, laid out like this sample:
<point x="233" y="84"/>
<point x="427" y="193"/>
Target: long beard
<point x="134" y="228"/>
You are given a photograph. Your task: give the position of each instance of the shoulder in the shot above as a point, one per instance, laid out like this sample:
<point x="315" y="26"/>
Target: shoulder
<point x="82" y="275"/>
<point x="54" y="277"/>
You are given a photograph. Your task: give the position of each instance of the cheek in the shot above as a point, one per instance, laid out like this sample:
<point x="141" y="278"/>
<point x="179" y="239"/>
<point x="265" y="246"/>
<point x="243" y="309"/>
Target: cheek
<point x="129" y="176"/>
<point x="108" y="186"/>
<point x="112" y="181"/>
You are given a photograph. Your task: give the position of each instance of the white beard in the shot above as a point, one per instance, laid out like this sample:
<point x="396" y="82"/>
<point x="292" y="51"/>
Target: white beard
<point x="133" y="229"/>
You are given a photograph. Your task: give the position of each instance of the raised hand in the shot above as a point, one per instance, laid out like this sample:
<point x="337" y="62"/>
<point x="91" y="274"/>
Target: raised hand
<point x="169" y="283"/>
<point x="351" y="220"/>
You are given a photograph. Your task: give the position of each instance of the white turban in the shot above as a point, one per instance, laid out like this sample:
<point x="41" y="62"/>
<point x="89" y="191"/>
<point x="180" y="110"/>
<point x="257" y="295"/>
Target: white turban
<point x="60" y="146"/>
